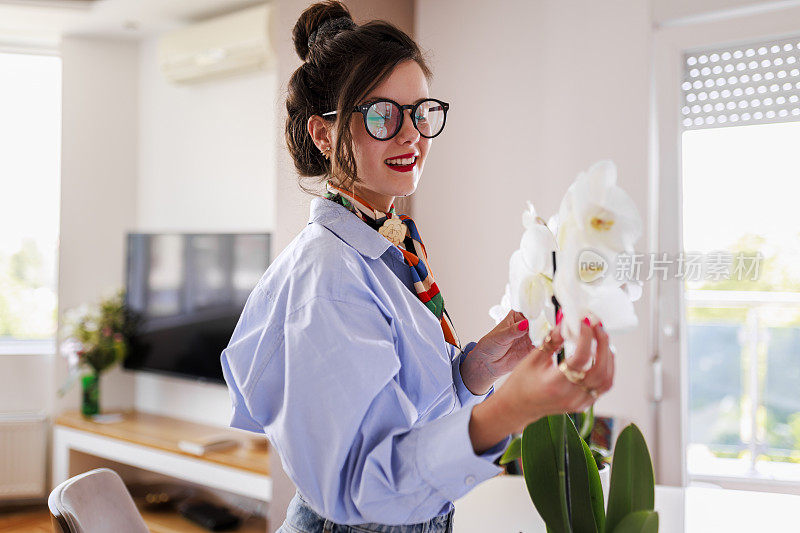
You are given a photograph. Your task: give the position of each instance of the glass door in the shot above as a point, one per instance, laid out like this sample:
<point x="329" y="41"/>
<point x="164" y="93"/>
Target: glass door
<point x="740" y="182"/>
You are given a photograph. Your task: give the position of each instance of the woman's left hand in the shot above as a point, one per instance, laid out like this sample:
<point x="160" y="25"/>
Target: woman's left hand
<point x="497" y="353"/>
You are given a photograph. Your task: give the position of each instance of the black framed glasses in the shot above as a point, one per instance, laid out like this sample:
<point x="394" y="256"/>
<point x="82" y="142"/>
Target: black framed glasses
<point x="383" y="118"/>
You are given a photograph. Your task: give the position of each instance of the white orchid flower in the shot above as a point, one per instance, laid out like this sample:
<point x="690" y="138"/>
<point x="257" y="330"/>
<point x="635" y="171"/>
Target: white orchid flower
<point x="633" y="288"/>
<point x="499" y="312"/>
<point x="595" y="223"/>
<point x="616" y="306"/>
<point x="552" y="223"/>
<point x="541" y="325"/>
<point x="529" y="288"/>
<point x="531" y="276"/>
<point x="600" y="211"/>
<point x="606" y="303"/>
<point x="538" y="327"/>
<point x="537" y="244"/>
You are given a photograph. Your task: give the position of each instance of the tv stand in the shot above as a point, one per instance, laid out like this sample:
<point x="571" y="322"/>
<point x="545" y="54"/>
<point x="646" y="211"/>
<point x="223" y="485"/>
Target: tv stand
<point x="150" y="442"/>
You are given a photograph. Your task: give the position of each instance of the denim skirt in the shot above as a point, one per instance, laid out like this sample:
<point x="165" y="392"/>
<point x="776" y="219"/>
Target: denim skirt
<point x="301" y="518"/>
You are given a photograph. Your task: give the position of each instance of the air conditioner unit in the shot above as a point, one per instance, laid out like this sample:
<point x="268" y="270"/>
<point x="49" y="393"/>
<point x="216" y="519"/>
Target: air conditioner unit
<point x="230" y="44"/>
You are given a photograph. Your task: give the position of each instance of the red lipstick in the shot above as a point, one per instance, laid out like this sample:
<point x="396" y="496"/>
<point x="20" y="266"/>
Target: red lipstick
<point x="403" y="168"/>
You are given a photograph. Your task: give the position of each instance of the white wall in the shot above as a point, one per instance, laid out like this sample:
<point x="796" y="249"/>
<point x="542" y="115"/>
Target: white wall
<point x="676" y="11"/>
<point x="25" y="383"/>
<point x="206" y="163"/>
<point x="538" y="91"/>
<point x="99" y="167"/>
<point x="206" y="152"/>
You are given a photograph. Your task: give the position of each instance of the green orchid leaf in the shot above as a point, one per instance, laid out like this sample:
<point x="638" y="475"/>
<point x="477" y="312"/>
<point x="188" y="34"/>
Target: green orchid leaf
<point x="581" y="506"/>
<point x="558" y="435"/>
<point x="542" y="451"/>
<point x="513" y="452"/>
<point x="595" y="489"/>
<point x="632" y="482"/>
<point x="639" y="522"/>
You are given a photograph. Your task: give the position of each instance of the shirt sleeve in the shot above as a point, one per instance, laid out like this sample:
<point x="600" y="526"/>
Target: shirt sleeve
<point x="465" y="396"/>
<point x="330" y="399"/>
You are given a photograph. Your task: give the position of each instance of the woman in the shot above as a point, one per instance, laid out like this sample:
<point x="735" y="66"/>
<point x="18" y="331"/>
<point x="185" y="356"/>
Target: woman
<point x="344" y="355"/>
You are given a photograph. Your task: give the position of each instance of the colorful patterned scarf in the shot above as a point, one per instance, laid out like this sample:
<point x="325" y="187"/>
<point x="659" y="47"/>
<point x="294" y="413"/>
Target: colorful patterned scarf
<point x="413" y="250"/>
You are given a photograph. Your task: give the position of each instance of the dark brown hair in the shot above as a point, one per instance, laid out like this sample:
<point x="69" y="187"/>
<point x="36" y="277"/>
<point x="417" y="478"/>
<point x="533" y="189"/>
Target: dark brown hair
<point x="344" y="63"/>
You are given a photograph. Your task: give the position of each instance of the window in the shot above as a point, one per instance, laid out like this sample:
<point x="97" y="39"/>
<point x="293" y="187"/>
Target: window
<point x="30" y="142"/>
<point x="741" y="180"/>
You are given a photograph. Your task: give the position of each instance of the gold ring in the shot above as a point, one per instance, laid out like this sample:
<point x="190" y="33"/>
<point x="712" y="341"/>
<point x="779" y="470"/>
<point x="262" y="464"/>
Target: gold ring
<point x="548" y="338"/>
<point x="592" y="392"/>
<point x="575" y="376"/>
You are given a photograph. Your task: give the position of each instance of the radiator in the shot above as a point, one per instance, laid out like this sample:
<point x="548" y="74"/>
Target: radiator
<point x="23" y="459"/>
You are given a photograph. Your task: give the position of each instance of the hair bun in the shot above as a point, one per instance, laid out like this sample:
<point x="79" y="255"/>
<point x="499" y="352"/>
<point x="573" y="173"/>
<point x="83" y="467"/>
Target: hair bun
<point x="323" y="18"/>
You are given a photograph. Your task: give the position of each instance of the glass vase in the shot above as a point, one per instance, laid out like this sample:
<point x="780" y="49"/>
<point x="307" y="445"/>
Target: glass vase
<point x="90" y="403"/>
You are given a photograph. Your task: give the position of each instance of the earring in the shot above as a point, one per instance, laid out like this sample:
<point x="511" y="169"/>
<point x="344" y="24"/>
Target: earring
<point x="326" y="151"/>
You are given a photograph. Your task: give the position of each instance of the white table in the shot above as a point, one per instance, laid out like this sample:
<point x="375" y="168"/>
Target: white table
<point x="149" y="443"/>
<point x="502" y="505"/>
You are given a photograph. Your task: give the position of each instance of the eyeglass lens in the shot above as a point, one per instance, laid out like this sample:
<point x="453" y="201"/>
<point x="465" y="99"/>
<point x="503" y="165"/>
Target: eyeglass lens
<point x="383" y="118"/>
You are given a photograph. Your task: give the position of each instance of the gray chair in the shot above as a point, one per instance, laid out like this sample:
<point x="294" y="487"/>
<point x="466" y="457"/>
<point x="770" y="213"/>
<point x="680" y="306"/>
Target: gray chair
<point x="96" y="501"/>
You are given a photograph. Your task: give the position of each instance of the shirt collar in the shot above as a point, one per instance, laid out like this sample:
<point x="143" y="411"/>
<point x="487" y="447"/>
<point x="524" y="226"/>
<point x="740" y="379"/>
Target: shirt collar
<point x="348" y="227"/>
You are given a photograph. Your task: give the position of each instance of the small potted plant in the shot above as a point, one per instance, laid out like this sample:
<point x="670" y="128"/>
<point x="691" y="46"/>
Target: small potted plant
<point x="568" y="270"/>
<point x="96" y="339"/>
<point x="565" y="486"/>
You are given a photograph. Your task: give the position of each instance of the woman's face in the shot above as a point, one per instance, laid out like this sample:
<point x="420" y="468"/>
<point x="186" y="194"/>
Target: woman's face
<point x="379" y="183"/>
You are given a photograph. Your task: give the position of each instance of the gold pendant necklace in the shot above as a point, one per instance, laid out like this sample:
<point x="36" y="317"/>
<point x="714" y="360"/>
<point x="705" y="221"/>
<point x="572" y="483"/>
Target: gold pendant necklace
<point x="394" y="230"/>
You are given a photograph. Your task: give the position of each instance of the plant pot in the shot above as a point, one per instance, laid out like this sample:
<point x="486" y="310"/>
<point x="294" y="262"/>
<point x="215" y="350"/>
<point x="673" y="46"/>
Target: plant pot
<point x="502" y="503"/>
<point x="90" y="397"/>
<point x="499" y="504"/>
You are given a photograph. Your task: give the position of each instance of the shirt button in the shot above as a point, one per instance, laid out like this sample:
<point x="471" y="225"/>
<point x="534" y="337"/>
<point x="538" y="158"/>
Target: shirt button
<point x="469" y="480"/>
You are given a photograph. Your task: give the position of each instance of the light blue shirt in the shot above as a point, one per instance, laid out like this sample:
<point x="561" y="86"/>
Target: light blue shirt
<point x="345" y="370"/>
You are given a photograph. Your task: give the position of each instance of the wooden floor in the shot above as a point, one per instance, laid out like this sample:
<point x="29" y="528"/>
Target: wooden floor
<point x="26" y="521"/>
<point x="38" y="521"/>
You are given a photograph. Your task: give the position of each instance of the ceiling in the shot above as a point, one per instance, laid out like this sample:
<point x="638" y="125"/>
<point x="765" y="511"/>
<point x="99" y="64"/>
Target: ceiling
<point x="41" y="23"/>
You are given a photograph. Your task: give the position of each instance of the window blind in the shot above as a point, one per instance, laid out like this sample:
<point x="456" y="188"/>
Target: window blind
<point x="734" y="86"/>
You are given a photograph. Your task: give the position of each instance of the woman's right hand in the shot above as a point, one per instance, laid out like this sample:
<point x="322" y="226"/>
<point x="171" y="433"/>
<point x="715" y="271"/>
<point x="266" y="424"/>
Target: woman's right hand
<point x="537" y="388"/>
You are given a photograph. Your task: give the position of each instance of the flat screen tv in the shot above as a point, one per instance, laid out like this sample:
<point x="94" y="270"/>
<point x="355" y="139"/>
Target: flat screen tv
<point x="187" y="291"/>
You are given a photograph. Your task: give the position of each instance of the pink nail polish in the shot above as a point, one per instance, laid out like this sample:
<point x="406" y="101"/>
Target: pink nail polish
<point x="586" y="321"/>
<point x="523" y="325"/>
